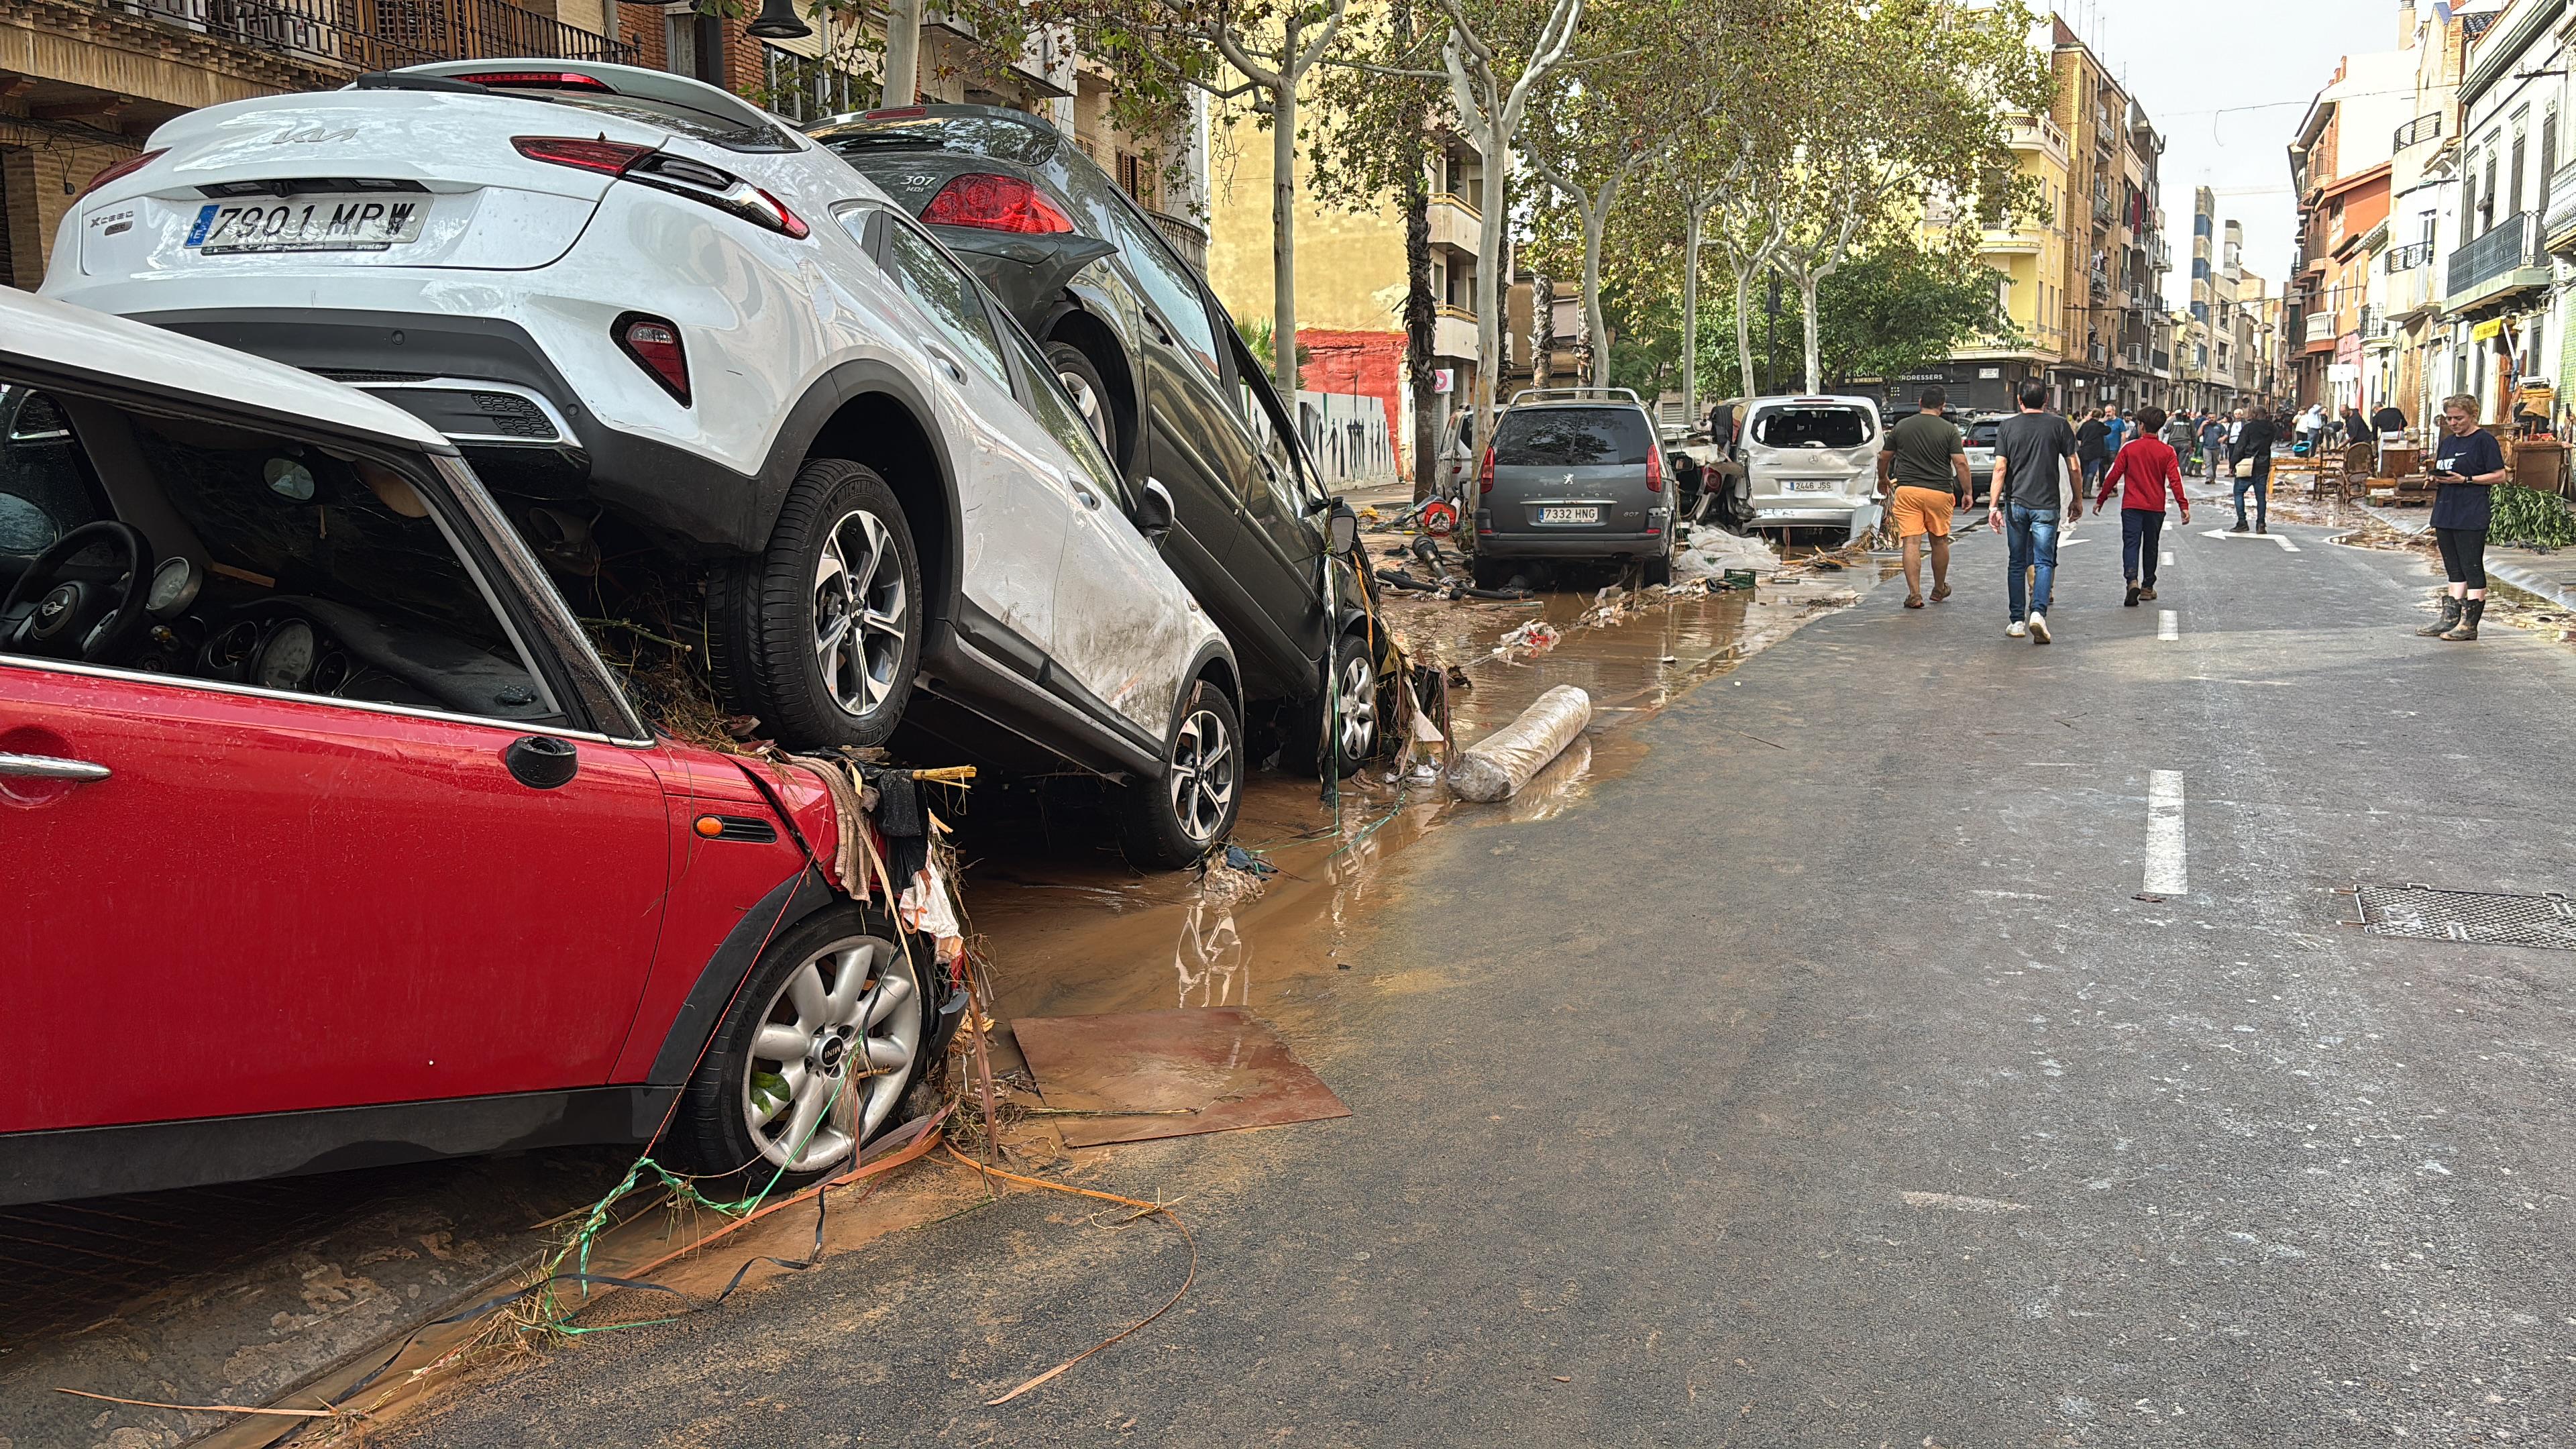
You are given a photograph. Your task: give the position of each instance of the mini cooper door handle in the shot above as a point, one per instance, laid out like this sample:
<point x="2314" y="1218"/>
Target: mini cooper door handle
<point x="49" y="767"/>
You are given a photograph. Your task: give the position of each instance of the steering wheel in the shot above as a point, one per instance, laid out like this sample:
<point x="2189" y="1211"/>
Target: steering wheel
<point x="78" y="618"/>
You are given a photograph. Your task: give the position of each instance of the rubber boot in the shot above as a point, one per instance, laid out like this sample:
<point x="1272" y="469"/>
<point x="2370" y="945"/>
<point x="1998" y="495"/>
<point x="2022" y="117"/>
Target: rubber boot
<point x="2443" y="625"/>
<point x="2467" y="628"/>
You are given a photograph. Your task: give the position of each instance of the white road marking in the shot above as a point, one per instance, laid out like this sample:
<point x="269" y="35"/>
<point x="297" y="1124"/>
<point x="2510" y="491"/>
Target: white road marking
<point x="2168" y="625"/>
<point x="2166" y="873"/>
<point x="2061" y="543"/>
<point x="2285" y="544"/>
<point x="2165" y="559"/>
<point x="1959" y="1203"/>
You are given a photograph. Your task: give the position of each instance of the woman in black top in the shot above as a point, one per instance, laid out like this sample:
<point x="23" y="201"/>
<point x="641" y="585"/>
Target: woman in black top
<point x="2467" y="465"/>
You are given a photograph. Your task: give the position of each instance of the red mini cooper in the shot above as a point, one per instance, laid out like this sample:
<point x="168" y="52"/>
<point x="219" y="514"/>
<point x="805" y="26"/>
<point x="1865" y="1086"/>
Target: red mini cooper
<point x="330" y="840"/>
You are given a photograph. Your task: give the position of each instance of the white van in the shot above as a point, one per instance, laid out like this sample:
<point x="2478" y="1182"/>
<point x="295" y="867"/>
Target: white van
<point x="1812" y="462"/>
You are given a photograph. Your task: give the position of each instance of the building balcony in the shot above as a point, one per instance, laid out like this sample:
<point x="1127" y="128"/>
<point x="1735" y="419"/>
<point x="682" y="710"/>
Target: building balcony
<point x="1187" y="237"/>
<point x="2559" y="226"/>
<point x="2320" y="328"/>
<point x="2016" y="241"/>
<point x="1454" y="223"/>
<point x="1453" y="333"/>
<point x="2408" y="258"/>
<point x="369" y="37"/>
<point x="2505" y="260"/>
<point x="2037" y="134"/>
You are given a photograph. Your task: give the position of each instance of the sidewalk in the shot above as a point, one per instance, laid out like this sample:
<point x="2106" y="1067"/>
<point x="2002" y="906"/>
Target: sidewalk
<point x="2549" y="575"/>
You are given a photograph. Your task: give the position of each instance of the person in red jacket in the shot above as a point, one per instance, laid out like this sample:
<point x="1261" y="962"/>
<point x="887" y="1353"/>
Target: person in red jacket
<point x="2144" y="472"/>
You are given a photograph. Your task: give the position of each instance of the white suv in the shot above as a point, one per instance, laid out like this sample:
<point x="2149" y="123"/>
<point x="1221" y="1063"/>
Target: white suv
<point x="678" y="339"/>
<point x="1812" y="462"/>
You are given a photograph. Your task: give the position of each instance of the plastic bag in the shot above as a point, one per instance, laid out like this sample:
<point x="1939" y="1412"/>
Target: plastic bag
<point x="1497" y="766"/>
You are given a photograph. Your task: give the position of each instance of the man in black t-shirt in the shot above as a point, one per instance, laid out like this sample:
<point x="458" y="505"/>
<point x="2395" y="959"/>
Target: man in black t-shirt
<point x="2034" y="472"/>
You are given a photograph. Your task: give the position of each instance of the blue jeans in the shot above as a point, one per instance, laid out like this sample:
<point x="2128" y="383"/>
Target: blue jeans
<point x="2140" y="531"/>
<point x="2031" y="533"/>
<point x="2261" y="483"/>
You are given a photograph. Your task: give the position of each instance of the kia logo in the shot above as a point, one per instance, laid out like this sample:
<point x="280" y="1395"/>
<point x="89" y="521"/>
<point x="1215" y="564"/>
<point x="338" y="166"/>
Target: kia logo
<point x="312" y="133"/>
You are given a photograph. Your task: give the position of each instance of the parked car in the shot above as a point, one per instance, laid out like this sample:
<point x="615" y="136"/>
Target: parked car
<point x="339" y="813"/>
<point x="1573" y="474"/>
<point x="1165" y="381"/>
<point x="1980" y="434"/>
<point x="821" y="419"/>
<point x="1812" y="462"/>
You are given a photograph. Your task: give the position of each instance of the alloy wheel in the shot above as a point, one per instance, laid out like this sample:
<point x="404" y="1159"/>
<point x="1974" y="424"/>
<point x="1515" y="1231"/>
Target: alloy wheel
<point x="833" y="1052"/>
<point x="1359" y="709"/>
<point x="860" y="612"/>
<point x="1202" y="778"/>
<point x="1086" y="401"/>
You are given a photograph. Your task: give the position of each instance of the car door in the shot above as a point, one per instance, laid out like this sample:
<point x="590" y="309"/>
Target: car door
<point x="1015" y="519"/>
<point x="1279" y="557"/>
<point x="1123" y="623"/>
<point x="233" y="896"/>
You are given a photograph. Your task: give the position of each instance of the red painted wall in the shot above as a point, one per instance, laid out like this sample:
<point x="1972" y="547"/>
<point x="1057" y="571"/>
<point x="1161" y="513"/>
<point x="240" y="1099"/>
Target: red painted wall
<point x="1370" y="364"/>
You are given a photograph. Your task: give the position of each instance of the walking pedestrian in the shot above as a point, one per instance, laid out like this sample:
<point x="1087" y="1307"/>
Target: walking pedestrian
<point x="2035" y="455"/>
<point x="2213" y="445"/>
<point x="2467" y="464"/>
<point x="2144" y="472"/>
<point x="1928" y="462"/>
<point x="2093" y="445"/>
<point x="2116" y="429"/>
<point x="2251" y="457"/>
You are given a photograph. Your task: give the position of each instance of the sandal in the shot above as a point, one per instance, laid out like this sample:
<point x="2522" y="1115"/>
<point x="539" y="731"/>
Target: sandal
<point x="1940" y="592"/>
<point x="1914" y="601"/>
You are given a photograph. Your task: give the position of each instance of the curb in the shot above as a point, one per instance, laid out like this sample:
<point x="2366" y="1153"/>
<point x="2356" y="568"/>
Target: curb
<point x="2536" y="584"/>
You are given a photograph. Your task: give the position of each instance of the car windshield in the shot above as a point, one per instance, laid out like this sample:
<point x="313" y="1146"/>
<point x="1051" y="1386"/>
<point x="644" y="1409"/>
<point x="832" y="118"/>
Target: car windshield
<point x="1811" y="427"/>
<point x="1572" y="437"/>
<point x="995" y="136"/>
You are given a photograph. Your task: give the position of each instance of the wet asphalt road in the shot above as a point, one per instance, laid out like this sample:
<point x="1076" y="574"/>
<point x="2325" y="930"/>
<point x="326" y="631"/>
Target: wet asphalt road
<point x="1822" y="1081"/>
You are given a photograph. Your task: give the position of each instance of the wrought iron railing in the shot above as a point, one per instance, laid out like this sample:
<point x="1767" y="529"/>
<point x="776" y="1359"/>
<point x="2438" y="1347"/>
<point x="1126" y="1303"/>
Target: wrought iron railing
<point x="2510" y="245"/>
<point x="2410" y="256"/>
<point x="367" y="35"/>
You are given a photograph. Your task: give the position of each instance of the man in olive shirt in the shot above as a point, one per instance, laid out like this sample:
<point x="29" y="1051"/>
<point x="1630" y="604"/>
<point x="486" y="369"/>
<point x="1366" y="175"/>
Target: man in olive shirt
<point x="1928" y="461"/>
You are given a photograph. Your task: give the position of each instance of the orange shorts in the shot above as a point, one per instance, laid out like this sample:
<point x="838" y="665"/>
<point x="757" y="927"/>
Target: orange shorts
<point x="1918" y="511"/>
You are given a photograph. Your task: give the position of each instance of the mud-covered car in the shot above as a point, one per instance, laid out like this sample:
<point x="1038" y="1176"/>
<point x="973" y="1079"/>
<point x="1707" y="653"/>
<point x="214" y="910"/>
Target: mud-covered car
<point x="318" y="802"/>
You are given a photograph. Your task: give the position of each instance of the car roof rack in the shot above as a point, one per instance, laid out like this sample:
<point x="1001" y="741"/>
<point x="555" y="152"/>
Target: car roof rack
<point x="1574" y="394"/>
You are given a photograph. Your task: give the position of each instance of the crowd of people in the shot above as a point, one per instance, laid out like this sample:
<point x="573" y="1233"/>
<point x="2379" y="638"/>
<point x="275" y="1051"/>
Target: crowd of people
<point x="2045" y="464"/>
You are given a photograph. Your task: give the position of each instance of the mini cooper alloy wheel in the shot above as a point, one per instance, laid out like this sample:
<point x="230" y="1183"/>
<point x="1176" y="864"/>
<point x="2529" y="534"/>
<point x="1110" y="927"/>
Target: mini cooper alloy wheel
<point x="1205" y="765"/>
<point x="860" y="612"/>
<point x="833" y="1052"/>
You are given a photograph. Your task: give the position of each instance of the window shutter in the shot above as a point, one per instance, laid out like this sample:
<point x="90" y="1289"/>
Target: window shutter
<point x="2548" y="159"/>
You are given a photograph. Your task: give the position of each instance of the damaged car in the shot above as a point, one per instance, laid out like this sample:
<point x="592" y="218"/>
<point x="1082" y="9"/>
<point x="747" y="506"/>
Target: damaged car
<point x="698" y="358"/>
<point x="350" y="836"/>
<point x="1169" y="389"/>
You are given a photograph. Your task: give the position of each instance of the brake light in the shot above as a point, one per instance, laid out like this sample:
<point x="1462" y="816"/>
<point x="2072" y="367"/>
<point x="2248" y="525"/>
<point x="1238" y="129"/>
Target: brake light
<point x="1485" y="472"/>
<point x="995" y="203"/>
<point x="609" y="158"/>
<point x="1654" y="471"/>
<point x="551" y="80"/>
<point x="678" y="175"/>
<point x="654" y="344"/>
<point x="897" y="113"/>
<point x="123" y="169"/>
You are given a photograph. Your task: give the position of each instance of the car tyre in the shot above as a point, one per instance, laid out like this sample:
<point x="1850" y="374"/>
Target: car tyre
<point x="1658" y="570"/>
<point x="1492" y="574"/>
<point x="819" y="637"/>
<point x="1360" y="735"/>
<point x="1177" y="818"/>
<point x="837" y="1021"/>
<point x="1089" y="390"/>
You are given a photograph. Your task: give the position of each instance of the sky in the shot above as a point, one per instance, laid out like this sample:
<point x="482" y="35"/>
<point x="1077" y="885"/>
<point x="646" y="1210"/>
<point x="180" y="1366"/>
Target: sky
<point x="2226" y="83"/>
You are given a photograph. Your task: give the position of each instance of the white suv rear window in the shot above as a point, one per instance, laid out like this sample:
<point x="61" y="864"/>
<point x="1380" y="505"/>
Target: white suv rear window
<point x="1811" y="427"/>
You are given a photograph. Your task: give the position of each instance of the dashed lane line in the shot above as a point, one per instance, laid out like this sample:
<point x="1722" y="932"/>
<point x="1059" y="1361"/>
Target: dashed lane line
<point x="2168" y="625"/>
<point x="2167" y="874"/>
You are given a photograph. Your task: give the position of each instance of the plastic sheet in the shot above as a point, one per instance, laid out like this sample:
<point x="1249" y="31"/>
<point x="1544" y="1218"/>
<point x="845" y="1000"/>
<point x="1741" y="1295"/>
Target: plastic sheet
<point x="1497" y="766"/>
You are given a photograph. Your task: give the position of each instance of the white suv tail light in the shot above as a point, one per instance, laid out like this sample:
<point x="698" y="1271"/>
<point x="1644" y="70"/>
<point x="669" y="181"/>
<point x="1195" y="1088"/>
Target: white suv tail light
<point x="663" y="171"/>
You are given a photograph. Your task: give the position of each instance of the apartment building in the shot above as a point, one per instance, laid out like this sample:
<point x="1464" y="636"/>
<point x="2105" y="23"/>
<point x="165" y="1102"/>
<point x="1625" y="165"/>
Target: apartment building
<point x="1351" y="277"/>
<point x="2113" y="249"/>
<point x="2340" y="166"/>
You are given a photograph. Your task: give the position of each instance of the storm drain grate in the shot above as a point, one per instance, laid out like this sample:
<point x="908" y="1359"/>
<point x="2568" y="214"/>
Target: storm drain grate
<point x="2422" y="913"/>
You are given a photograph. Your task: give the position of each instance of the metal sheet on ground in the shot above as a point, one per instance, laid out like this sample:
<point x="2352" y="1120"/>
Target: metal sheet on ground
<point x="1183" y="1071"/>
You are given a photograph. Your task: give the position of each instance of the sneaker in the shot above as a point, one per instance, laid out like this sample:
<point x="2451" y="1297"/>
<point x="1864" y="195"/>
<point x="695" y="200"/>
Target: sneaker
<point x="2148" y="592"/>
<point x="2039" y="628"/>
<point x="2016" y="629"/>
<point x="2131" y="601"/>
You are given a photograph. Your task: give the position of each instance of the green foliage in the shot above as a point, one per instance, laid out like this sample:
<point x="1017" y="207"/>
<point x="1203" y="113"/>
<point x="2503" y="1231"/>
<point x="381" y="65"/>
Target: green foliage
<point x="2525" y="516"/>
<point x="1898" y="308"/>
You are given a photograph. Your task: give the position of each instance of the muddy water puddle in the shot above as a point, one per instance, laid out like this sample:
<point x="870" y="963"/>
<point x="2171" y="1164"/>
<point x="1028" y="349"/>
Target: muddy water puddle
<point x="1073" y="931"/>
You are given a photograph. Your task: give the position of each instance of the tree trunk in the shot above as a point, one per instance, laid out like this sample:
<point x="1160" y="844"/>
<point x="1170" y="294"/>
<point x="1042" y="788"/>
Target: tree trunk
<point x="1690" y="318"/>
<point x="1419" y="323"/>
<point x="1807" y="281"/>
<point x="1595" y="327"/>
<point x="1744" y="276"/>
<point x="1489" y="296"/>
<point x="1283" y="228"/>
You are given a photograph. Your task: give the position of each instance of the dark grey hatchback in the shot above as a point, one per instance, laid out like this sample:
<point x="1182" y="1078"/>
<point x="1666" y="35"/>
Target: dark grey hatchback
<point x="1573" y="474"/>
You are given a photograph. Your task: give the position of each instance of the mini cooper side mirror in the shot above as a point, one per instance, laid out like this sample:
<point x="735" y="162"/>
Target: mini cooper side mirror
<point x="1154" y="511"/>
<point x="1345" y="530"/>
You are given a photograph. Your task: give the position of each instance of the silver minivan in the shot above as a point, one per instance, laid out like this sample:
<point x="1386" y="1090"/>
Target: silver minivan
<point x="1813" y="462"/>
<point x="1573" y="473"/>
